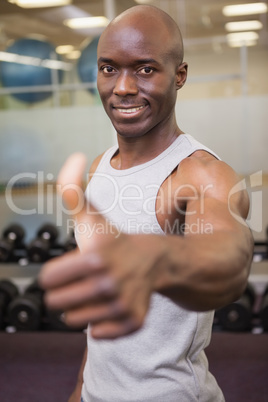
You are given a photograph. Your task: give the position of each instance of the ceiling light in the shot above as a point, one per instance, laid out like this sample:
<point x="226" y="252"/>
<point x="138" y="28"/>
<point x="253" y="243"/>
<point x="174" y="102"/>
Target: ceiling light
<point x="143" y="1"/>
<point x="74" y="55"/>
<point x="242" y="39"/>
<point x="87" y="22"/>
<point x="243" y="26"/>
<point x="40" y="3"/>
<point x="244" y="9"/>
<point x="63" y="49"/>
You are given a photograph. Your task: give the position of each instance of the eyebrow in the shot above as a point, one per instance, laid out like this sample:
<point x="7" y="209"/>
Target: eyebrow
<point x="104" y="60"/>
<point x="146" y="61"/>
<point x="138" y="61"/>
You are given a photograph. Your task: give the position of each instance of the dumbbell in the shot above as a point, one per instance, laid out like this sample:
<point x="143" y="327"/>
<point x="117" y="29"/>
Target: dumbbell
<point x="39" y="250"/>
<point x="237" y="316"/>
<point x="25" y="312"/>
<point x="264" y="310"/>
<point x="12" y="238"/>
<point x="8" y="291"/>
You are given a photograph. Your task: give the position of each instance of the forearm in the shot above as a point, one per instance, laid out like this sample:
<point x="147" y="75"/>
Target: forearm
<point x="203" y="272"/>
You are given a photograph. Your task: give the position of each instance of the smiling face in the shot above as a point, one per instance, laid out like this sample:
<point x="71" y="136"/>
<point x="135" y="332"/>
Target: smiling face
<point x="139" y="73"/>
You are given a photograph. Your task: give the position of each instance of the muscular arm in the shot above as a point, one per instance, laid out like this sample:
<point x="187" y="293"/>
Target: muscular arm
<point x="203" y="272"/>
<point x="116" y="273"/>
<point x="208" y="267"/>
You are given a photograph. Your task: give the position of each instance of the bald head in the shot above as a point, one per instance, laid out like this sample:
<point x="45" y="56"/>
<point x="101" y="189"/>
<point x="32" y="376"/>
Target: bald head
<point x="140" y="70"/>
<point x="156" y="22"/>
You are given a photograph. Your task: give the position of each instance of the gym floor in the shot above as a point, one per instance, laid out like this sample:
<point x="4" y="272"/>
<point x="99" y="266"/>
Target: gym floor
<point x="42" y="366"/>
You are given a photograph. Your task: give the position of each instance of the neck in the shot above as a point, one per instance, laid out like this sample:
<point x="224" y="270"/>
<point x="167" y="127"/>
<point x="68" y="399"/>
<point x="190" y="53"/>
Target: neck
<point x="134" y="151"/>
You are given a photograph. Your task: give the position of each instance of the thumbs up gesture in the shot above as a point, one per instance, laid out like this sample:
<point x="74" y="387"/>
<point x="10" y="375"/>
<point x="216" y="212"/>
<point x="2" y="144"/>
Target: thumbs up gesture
<point x="109" y="281"/>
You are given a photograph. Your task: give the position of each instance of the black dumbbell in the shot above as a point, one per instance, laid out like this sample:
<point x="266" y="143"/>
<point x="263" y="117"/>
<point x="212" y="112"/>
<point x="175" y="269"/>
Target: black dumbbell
<point x="39" y="250"/>
<point x="12" y="238"/>
<point x="237" y="316"/>
<point x="264" y="310"/>
<point x="8" y="291"/>
<point x="25" y="312"/>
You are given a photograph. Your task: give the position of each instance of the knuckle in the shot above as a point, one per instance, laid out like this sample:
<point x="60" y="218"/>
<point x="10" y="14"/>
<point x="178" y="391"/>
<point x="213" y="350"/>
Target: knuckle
<point x="107" y="287"/>
<point x="120" y="308"/>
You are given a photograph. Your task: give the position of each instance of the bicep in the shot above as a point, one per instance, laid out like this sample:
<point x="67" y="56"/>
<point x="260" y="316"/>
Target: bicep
<point x="211" y="215"/>
<point x="221" y="205"/>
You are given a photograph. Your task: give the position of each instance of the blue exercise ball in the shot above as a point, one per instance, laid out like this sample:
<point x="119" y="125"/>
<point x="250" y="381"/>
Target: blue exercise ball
<point x="87" y="64"/>
<point x="18" y="75"/>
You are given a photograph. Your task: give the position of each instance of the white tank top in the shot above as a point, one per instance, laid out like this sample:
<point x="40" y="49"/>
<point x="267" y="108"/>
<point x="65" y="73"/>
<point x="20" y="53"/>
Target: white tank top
<point x="164" y="361"/>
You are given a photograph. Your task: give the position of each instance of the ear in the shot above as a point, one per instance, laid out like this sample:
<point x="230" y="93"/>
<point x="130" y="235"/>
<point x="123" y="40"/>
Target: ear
<point x="181" y="75"/>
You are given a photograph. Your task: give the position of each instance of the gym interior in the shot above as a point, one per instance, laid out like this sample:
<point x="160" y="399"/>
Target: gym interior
<point x="49" y="108"/>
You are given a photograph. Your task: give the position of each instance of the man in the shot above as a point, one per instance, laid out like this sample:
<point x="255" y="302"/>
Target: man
<point x="146" y="280"/>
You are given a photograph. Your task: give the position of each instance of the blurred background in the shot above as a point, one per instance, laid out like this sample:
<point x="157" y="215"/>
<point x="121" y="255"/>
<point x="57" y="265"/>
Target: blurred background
<point x="49" y="108"/>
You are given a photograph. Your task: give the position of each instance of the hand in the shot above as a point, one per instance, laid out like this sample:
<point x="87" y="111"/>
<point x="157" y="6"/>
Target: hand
<point x="109" y="283"/>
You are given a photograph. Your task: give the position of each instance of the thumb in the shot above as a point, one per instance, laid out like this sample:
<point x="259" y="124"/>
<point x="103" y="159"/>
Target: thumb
<point x="70" y="187"/>
<point x="70" y="183"/>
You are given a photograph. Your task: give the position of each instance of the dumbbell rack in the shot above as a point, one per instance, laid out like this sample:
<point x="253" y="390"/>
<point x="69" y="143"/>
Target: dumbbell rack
<point x="22" y="261"/>
<point x="258" y="282"/>
<point x="40" y="318"/>
<point x="21" y="275"/>
<point x="23" y="272"/>
<point x="20" y="264"/>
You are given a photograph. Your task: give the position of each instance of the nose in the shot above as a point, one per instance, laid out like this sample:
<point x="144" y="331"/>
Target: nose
<point x="125" y="85"/>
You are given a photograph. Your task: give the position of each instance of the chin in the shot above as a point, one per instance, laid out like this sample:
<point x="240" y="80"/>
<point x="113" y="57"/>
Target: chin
<point x="131" y="130"/>
<point x="130" y="133"/>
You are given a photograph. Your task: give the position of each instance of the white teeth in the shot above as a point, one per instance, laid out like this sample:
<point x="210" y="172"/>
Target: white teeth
<point x="131" y="110"/>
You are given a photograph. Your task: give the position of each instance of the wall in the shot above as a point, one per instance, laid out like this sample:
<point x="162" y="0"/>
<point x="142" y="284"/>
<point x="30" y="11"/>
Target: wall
<point x="40" y="140"/>
<point x="235" y="128"/>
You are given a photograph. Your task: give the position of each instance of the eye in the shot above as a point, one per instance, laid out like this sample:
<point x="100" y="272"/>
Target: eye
<point x="146" y="70"/>
<point x="107" y="69"/>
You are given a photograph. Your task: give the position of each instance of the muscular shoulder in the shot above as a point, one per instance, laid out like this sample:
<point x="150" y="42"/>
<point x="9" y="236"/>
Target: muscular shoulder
<point x="203" y="168"/>
<point x="202" y="172"/>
